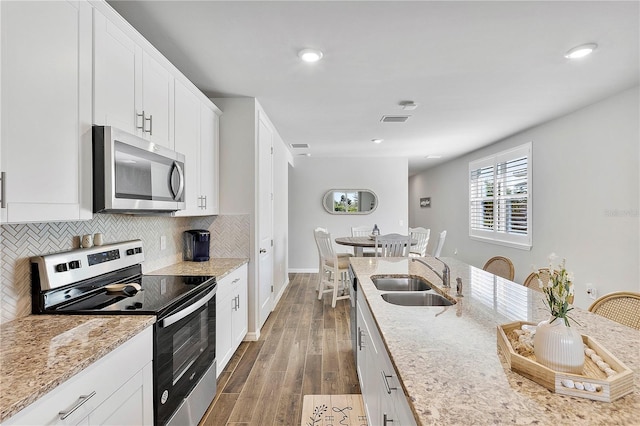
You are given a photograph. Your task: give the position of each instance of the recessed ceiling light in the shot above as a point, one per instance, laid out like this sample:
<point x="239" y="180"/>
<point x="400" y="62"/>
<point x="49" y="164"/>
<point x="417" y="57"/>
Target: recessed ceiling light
<point x="581" y="51"/>
<point x="310" y="55"/>
<point x="433" y="156"/>
<point x="377" y="140"/>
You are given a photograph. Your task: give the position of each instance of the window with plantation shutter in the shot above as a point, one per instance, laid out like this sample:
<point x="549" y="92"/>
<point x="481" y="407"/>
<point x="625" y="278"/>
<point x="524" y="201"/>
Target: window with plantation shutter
<point x="500" y="198"/>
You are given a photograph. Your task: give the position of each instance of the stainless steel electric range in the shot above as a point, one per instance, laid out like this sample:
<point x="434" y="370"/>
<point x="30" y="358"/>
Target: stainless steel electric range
<point x="108" y="280"/>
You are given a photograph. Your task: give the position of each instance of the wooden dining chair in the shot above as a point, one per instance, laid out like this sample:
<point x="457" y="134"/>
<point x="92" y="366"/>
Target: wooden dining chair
<point x="620" y="306"/>
<point x="334" y="269"/>
<point x="421" y="235"/>
<point x="393" y="245"/>
<point x="440" y="244"/>
<point x="532" y="281"/>
<point x="500" y="266"/>
<point x="320" y="269"/>
<point x="363" y="231"/>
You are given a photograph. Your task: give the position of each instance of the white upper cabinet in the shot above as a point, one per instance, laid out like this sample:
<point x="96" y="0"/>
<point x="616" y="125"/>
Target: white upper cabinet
<point x="116" y="59"/>
<point x="157" y="102"/>
<point x="46" y="111"/>
<point x="132" y="90"/>
<point x="209" y="158"/>
<point x="196" y="136"/>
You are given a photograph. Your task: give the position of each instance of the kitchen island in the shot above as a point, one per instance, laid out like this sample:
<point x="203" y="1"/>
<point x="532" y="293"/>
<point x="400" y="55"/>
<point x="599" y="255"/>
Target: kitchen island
<point x="447" y="358"/>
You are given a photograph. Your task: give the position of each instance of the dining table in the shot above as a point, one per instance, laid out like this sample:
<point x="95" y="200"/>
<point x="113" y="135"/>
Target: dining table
<point x="359" y="243"/>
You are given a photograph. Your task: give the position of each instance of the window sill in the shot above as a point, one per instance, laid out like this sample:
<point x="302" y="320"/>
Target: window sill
<point x="512" y="244"/>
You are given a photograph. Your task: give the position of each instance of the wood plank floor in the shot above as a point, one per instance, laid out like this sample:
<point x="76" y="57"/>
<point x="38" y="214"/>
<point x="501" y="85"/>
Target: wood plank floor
<point x="304" y="349"/>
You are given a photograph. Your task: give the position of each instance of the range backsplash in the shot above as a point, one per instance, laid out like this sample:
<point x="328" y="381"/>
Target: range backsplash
<point x="229" y="238"/>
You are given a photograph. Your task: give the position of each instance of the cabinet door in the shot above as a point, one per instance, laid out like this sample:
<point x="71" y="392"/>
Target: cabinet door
<point x="130" y="404"/>
<point x="187" y="142"/>
<point x="240" y="314"/>
<point x="209" y="148"/>
<point x="224" y="338"/>
<point x="157" y="102"/>
<point x="46" y="110"/>
<point x="117" y="63"/>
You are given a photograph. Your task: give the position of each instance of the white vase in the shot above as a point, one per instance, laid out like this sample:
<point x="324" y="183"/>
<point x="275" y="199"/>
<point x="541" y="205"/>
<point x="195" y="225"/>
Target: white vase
<point x="559" y="347"/>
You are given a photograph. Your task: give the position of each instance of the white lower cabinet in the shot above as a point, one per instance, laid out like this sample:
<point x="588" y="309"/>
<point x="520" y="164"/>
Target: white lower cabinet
<point x="384" y="400"/>
<point x="231" y="315"/>
<point x="115" y="390"/>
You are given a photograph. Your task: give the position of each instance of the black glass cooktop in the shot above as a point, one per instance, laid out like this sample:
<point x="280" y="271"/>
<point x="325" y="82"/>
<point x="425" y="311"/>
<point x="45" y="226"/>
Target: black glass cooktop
<point x="157" y="294"/>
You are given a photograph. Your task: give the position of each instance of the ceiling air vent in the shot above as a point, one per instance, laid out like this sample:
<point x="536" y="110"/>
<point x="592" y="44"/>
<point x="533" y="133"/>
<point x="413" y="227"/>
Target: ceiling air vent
<point x="299" y="145"/>
<point x="394" y="118"/>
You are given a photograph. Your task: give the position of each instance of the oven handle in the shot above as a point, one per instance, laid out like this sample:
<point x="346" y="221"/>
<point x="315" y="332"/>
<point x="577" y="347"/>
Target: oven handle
<point x="171" y="319"/>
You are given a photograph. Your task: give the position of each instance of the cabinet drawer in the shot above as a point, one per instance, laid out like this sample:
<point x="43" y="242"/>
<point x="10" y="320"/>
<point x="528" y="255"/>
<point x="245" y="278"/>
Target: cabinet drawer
<point x="227" y="283"/>
<point x="100" y="380"/>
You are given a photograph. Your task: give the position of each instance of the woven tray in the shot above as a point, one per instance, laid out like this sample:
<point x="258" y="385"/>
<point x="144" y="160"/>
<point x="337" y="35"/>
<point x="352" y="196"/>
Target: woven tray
<point x="609" y="388"/>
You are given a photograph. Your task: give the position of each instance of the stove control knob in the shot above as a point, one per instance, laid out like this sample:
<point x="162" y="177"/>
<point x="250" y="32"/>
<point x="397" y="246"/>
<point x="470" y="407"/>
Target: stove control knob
<point x="130" y="252"/>
<point x="74" y="264"/>
<point x="130" y="307"/>
<point x="138" y="305"/>
<point x="61" y="267"/>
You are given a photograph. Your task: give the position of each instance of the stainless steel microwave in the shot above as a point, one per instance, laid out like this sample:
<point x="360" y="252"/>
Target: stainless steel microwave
<point x="133" y="175"/>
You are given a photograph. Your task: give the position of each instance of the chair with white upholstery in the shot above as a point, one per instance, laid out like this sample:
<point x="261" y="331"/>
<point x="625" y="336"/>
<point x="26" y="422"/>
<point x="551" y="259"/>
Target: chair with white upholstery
<point x="393" y="245"/>
<point x="438" y="249"/>
<point x="421" y="235"/>
<point x="334" y="268"/>
<point x="363" y="231"/>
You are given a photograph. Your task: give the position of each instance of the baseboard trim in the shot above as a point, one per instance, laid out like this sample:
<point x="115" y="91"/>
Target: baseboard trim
<point x="303" y="271"/>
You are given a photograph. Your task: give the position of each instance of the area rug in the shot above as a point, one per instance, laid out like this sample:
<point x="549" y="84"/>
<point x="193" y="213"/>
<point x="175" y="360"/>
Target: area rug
<point x="333" y="410"/>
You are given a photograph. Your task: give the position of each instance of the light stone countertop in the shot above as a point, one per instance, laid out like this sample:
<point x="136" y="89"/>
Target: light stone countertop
<point x="217" y="267"/>
<point x="447" y="357"/>
<point x="40" y="352"/>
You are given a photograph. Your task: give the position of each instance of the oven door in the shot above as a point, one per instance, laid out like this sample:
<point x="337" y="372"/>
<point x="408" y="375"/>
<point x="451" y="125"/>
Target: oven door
<point x="184" y="352"/>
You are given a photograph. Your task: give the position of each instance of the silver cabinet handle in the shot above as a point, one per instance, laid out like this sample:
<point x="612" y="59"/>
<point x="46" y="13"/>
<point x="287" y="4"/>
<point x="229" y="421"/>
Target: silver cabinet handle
<point x="385" y="420"/>
<point x="360" y="340"/>
<point x="237" y="302"/>
<point x="263" y="250"/>
<point x="3" y="194"/>
<point x="235" y="281"/>
<point x="204" y="204"/>
<point x="386" y="383"/>
<point x="150" y="120"/>
<point x="81" y="400"/>
<point x="141" y="127"/>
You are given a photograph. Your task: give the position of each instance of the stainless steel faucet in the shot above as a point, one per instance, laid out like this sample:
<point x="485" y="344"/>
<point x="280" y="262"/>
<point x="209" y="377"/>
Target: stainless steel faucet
<point x="445" y="272"/>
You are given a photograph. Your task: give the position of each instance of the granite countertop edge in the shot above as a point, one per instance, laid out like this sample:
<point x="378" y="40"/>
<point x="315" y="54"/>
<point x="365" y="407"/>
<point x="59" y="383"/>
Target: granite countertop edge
<point x="217" y="267"/>
<point x="40" y="352"/>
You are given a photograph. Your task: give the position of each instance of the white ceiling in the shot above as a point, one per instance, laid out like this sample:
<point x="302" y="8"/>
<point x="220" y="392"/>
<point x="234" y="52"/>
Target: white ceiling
<point x="479" y="70"/>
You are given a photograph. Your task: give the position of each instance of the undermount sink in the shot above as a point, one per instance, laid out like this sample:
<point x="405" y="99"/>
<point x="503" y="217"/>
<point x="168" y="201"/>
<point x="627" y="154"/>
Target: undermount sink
<point x="417" y="299"/>
<point x="406" y="283"/>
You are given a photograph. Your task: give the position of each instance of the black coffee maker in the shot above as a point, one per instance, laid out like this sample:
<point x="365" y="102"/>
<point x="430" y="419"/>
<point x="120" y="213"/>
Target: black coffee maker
<point x="196" y="245"/>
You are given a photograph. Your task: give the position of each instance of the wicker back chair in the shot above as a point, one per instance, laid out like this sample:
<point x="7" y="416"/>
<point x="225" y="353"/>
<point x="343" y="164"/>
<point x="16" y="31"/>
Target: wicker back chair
<point x="619" y="306"/>
<point x="532" y="279"/>
<point x="500" y="266"/>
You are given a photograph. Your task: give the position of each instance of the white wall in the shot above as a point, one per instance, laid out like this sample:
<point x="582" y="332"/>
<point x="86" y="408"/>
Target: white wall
<point x="586" y="187"/>
<point x="311" y="178"/>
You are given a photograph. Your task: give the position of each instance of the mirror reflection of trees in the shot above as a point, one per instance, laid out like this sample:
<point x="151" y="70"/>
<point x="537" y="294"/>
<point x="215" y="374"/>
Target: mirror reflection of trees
<point x="350" y="201"/>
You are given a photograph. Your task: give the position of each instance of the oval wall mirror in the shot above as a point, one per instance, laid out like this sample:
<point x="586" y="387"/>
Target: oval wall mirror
<point x="350" y="201"/>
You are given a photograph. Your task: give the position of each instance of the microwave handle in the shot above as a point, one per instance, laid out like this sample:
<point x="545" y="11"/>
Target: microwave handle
<point x="176" y="168"/>
<point x="172" y="319"/>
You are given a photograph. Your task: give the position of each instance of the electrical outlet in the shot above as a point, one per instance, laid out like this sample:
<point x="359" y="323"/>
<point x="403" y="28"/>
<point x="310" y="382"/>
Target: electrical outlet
<point x="592" y="292"/>
<point x="163" y="242"/>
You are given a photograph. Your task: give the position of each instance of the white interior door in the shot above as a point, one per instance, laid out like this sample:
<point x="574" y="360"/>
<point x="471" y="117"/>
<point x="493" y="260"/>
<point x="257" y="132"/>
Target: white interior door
<point x="265" y="220"/>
